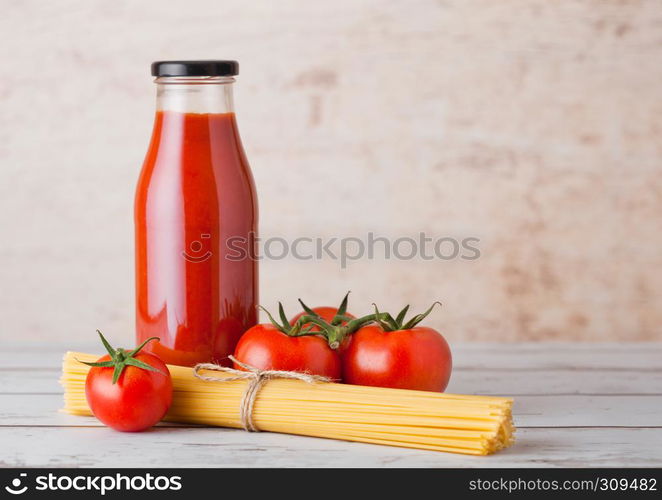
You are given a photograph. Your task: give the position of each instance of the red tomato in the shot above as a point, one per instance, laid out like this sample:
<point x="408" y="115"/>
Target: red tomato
<point x="267" y="348"/>
<point x="139" y="398"/>
<point x="325" y="312"/>
<point x="418" y="358"/>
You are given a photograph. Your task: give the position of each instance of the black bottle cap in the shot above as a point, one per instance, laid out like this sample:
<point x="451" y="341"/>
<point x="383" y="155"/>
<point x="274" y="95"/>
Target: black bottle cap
<point x="195" y="68"/>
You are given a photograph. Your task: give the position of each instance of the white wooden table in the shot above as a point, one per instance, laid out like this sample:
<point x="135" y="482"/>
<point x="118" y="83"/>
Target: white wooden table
<point x="576" y="405"/>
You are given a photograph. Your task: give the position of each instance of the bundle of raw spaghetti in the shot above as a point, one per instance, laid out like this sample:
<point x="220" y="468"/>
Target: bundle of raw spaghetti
<point x="476" y="425"/>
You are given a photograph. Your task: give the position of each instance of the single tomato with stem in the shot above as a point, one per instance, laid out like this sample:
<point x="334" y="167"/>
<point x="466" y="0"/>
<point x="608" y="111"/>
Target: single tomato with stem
<point x="398" y="354"/>
<point x="128" y="390"/>
<point x="383" y="351"/>
<point x="290" y="347"/>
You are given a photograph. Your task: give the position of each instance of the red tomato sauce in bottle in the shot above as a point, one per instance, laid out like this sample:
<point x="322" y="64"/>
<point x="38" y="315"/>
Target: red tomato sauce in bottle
<point x="195" y="220"/>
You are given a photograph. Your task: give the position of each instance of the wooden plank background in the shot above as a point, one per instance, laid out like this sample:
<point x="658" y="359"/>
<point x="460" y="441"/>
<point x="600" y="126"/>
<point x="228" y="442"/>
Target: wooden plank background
<point x="575" y="405"/>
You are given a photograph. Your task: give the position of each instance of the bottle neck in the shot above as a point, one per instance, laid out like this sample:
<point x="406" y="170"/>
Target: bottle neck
<point x="195" y="94"/>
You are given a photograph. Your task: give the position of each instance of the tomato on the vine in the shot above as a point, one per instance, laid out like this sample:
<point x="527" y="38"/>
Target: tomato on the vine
<point x="128" y="390"/>
<point x="373" y="350"/>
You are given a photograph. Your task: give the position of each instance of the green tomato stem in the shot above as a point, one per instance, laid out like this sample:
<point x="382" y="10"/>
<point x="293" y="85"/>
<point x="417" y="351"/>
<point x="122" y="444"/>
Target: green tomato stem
<point x="121" y="358"/>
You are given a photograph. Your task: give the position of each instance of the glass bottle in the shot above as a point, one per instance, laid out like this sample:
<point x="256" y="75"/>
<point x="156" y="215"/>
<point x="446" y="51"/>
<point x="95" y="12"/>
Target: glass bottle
<point x="195" y="219"/>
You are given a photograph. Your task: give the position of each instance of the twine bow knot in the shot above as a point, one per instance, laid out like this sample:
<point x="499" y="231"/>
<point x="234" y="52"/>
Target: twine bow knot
<point x="257" y="378"/>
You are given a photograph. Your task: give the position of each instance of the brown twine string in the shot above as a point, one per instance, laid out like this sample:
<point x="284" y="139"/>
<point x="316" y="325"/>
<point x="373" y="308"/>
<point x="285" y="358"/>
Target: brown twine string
<point x="257" y="379"/>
